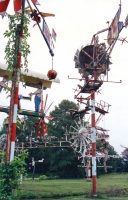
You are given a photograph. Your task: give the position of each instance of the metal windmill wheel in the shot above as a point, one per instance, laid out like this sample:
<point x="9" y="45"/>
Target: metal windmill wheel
<point x="80" y="136"/>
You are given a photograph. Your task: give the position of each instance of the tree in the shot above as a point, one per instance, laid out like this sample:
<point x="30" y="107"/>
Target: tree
<point x="61" y="120"/>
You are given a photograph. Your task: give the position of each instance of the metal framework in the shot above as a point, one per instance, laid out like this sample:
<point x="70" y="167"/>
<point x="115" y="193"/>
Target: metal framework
<point x="36" y="15"/>
<point x="92" y="62"/>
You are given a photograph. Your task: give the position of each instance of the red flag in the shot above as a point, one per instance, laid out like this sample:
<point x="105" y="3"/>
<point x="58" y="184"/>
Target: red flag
<point x="3" y="6"/>
<point x="17" y="5"/>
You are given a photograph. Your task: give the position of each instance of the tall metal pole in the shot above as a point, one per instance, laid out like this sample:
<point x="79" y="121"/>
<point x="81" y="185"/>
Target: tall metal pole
<point x="19" y="34"/>
<point x="93" y="136"/>
<point x="9" y="130"/>
<point x="16" y="75"/>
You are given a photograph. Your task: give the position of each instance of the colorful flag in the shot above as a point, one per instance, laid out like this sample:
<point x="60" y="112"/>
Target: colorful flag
<point x="46" y="33"/>
<point x="114" y="28"/>
<point x="3" y="6"/>
<point x="54" y="35"/>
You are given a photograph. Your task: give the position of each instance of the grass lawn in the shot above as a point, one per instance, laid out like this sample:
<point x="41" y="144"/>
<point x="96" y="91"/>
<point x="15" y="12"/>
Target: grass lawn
<point x="109" y="186"/>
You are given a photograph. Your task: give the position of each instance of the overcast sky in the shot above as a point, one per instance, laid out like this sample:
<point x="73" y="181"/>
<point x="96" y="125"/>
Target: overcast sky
<point x="75" y="22"/>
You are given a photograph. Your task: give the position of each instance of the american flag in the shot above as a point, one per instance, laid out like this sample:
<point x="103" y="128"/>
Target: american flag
<point x="115" y="27"/>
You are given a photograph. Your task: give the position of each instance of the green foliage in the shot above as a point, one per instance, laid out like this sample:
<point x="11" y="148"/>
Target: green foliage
<point x="63" y="163"/>
<point x="56" y="127"/>
<point x="10" y="176"/>
<point x="17" y="23"/>
<point x="42" y="177"/>
<point x="107" y="185"/>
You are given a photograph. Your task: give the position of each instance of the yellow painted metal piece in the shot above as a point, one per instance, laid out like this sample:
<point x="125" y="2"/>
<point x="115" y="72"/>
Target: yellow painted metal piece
<point x="31" y="78"/>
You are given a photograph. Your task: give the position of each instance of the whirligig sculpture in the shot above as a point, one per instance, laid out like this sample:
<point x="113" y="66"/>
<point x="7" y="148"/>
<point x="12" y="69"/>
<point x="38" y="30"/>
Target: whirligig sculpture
<point x="37" y="16"/>
<point x="93" y="64"/>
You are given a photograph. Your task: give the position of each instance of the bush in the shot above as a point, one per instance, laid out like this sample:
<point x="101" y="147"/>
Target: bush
<point x="42" y="177"/>
<point x="10" y="187"/>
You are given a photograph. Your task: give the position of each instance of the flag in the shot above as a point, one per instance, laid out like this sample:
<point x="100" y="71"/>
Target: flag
<point x="46" y="33"/>
<point x="3" y="6"/>
<point x="114" y="28"/>
<point x="54" y="35"/>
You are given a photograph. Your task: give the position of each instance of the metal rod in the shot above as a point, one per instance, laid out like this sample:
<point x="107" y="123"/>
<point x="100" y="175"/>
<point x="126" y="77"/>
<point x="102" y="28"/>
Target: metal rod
<point x="93" y="136"/>
<point x="11" y="135"/>
<point x="50" y="50"/>
<point x="94" y="80"/>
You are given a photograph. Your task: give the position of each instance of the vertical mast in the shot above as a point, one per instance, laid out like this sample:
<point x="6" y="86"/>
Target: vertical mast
<point x="16" y="77"/>
<point x="93" y="136"/>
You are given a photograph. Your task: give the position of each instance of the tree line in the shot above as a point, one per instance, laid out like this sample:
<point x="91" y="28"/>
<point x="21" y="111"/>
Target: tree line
<point x="61" y="162"/>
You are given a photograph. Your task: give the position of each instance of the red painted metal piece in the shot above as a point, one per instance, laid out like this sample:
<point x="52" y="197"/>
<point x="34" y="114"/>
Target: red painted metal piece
<point x="93" y="133"/>
<point x="3" y="7"/>
<point x="17" y="5"/>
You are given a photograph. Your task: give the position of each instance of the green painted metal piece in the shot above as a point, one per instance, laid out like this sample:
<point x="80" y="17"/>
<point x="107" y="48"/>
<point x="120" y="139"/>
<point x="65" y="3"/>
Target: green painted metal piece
<point x="23" y="112"/>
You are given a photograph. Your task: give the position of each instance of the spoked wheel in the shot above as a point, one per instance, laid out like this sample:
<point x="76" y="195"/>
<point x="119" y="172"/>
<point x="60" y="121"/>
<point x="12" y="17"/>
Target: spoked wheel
<point x="80" y="136"/>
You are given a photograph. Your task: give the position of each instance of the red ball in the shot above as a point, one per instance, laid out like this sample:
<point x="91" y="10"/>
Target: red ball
<point x="52" y="74"/>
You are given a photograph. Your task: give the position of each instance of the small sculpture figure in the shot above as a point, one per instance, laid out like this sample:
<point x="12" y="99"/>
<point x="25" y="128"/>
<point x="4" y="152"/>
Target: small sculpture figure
<point x="37" y="94"/>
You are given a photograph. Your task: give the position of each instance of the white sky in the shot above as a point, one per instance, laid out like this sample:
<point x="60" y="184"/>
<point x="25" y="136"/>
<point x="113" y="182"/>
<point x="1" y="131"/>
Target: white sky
<point x="75" y="22"/>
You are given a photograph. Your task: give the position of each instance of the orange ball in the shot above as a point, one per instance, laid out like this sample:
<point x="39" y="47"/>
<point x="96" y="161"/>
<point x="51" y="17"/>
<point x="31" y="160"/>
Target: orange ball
<point x="52" y="74"/>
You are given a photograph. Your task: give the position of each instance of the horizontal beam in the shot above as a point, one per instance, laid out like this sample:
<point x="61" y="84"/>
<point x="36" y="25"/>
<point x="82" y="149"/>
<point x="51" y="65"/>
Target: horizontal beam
<point x="41" y="147"/>
<point x="90" y="166"/>
<point x="23" y="112"/>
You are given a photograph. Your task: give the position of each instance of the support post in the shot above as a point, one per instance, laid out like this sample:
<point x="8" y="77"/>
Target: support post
<point x="93" y="136"/>
<point x="9" y="130"/>
<point x="19" y="34"/>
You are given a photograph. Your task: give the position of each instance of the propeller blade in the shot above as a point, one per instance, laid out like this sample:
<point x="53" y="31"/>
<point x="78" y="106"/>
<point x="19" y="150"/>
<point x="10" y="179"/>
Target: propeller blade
<point x="49" y="117"/>
<point x="40" y="129"/>
<point x="45" y="130"/>
<point x="48" y="108"/>
<point x="46" y="14"/>
<point x="36" y="124"/>
<point x="42" y="105"/>
<point x="29" y="11"/>
<point x="45" y="102"/>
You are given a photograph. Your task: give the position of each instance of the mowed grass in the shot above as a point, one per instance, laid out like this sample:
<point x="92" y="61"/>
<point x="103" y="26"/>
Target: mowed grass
<point x="108" y="185"/>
